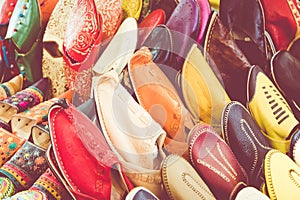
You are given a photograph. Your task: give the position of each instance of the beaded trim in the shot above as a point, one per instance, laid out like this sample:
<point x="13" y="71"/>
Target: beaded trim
<point x="37" y="93"/>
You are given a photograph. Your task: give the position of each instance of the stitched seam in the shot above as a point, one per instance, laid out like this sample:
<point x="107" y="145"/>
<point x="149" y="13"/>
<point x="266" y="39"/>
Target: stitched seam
<point x="223" y="176"/>
<point x="65" y="174"/>
<point x="226" y="161"/>
<point x="225" y="117"/>
<point x="296" y="146"/>
<point x="219" y="163"/>
<point x="165" y="178"/>
<point x="270" y="187"/>
<point x="189" y="185"/>
<point x="292" y="178"/>
<point x="210" y="36"/>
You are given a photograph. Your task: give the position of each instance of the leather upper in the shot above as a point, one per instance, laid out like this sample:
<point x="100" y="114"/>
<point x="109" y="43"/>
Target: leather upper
<point x="282" y="22"/>
<point x="149" y="23"/>
<point x="158" y="96"/>
<point x="160" y="43"/>
<point x="121" y="47"/>
<point x="134" y="138"/>
<point x="247" y="23"/>
<point x="250" y="193"/>
<point x="184" y="24"/>
<point x="295" y="147"/>
<point x="232" y="66"/>
<point x="25" y="34"/>
<point x="140" y="193"/>
<point x="111" y="15"/>
<point x="246" y="140"/>
<point x="205" y="12"/>
<point x="282" y="176"/>
<point x="181" y="180"/>
<point x="85" y="146"/>
<point x="212" y="157"/>
<point x="203" y="93"/>
<point x="285" y="69"/>
<point x="82" y="31"/>
<point x="270" y="110"/>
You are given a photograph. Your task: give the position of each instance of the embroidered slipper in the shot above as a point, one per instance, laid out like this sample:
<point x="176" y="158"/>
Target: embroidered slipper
<point x="81" y="46"/>
<point x="10" y="143"/>
<point x="7" y="188"/>
<point x="45" y="187"/>
<point x="111" y="14"/>
<point x="23" y="39"/>
<point x="25" y="166"/>
<point x="24" y="99"/>
<point x="28" y="194"/>
<point x="52" y="60"/>
<point x="22" y="123"/>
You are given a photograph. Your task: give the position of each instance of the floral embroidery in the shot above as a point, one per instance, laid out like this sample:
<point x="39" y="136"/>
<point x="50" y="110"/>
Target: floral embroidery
<point x="9" y="144"/>
<point x="27" y="98"/>
<point x="26" y="166"/>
